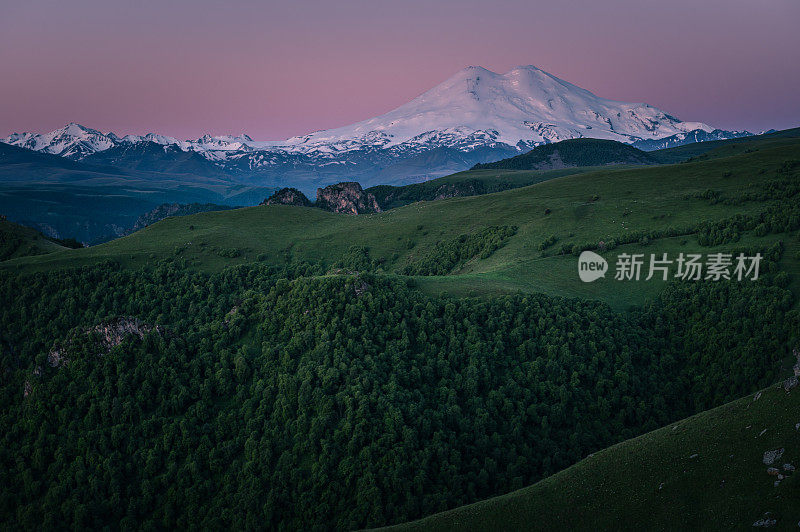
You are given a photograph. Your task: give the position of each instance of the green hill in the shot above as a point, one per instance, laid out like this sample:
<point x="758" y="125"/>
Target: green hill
<point x="572" y="153"/>
<point x="166" y="210"/>
<point x="652" y="209"/>
<point x="467" y="183"/>
<point x="496" y="177"/>
<point x="20" y="241"/>
<point x="706" y="472"/>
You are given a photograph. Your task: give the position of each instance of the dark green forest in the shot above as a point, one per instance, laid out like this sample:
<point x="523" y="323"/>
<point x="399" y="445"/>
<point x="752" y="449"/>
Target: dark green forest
<point x="264" y="397"/>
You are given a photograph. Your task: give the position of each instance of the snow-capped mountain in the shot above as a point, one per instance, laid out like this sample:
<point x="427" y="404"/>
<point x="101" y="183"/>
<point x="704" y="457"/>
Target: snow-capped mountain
<point x="475" y="116"/>
<point x="525" y="105"/>
<point x="73" y="141"/>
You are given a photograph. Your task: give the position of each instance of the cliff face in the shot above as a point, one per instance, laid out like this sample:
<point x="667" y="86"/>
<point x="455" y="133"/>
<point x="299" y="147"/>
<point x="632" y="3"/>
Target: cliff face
<point x="346" y="198"/>
<point x="288" y="196"/>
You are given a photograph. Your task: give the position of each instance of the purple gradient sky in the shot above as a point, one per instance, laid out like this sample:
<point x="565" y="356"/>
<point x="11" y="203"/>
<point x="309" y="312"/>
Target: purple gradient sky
<point x="276" y="69"/>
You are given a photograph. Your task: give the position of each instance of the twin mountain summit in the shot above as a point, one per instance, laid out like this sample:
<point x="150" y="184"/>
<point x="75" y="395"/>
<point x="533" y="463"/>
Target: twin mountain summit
<point x="477" y="116"/>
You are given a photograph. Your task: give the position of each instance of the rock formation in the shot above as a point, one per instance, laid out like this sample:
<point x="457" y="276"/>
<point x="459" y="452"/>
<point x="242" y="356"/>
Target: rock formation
<point x="347" y="198"/>
<point x="288" y="196"/>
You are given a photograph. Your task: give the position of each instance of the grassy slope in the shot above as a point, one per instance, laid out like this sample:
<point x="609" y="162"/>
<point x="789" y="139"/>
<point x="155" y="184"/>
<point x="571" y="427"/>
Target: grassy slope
<point x="629" y="200"/>
<point x="484" y="181"/>
<point x="493" y="177"/>
<point x="655" y="481"/>
<point x="27" y="241"/>
<point x="496" y="179"/>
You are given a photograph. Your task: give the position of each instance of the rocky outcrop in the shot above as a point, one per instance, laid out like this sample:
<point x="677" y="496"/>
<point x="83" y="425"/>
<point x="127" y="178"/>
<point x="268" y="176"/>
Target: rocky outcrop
<point x="796" y="367"/>
<point x="57" y="357"/>
<point x="112" y="333"/>
<point x="109" y="334"/>
<point x="346" y="198"/>
<point x="288" y="196"/>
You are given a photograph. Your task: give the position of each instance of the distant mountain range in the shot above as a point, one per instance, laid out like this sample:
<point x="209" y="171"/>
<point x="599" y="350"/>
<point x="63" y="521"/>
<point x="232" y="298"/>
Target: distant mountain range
<point x="476" y="116"/>
<point x="698" y="135"/>
<point x="93" y="201"/>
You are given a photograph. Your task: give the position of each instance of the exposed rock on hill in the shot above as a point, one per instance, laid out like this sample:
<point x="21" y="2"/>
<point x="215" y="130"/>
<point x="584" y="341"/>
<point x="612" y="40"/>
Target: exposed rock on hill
<point x="109" y="334"/>
<point x="112" y="333"/>
<point x="288" y="196"/>
<point x="347" y="198"/>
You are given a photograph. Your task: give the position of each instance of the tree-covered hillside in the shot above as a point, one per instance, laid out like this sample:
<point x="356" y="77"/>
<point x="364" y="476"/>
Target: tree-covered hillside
<point x="730" y="468"/>
<point x="259" y="397"/>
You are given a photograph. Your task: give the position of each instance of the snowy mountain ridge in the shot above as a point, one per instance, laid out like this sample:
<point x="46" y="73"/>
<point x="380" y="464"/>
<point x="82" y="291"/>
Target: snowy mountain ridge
<point x="476" y="112"/>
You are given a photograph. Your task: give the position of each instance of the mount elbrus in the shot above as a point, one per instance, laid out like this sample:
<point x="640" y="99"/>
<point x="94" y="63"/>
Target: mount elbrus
<point x="476" y="116"/>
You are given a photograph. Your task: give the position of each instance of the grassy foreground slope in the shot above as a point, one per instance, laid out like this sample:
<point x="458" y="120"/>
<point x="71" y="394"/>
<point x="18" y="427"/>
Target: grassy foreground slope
<point x="705" y="472"/>
<point x="603" y="205"/>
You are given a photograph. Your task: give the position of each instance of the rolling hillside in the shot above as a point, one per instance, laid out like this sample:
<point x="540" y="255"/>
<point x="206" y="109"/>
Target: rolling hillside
<point x="706" y="472"/>
<point x="507" y="174"/>
<point x="94" y="201"/>
<point x="729" y="146"/>
<point x="467" y="183"/>
<point x="645" y="204"/>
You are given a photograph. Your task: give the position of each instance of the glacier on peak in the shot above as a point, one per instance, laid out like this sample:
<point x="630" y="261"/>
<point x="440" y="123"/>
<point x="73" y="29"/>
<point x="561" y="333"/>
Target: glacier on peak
<point x="474" y="109"/>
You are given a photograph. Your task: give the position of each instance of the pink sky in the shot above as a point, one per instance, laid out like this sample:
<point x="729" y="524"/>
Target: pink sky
<point x="276" y="69"/>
